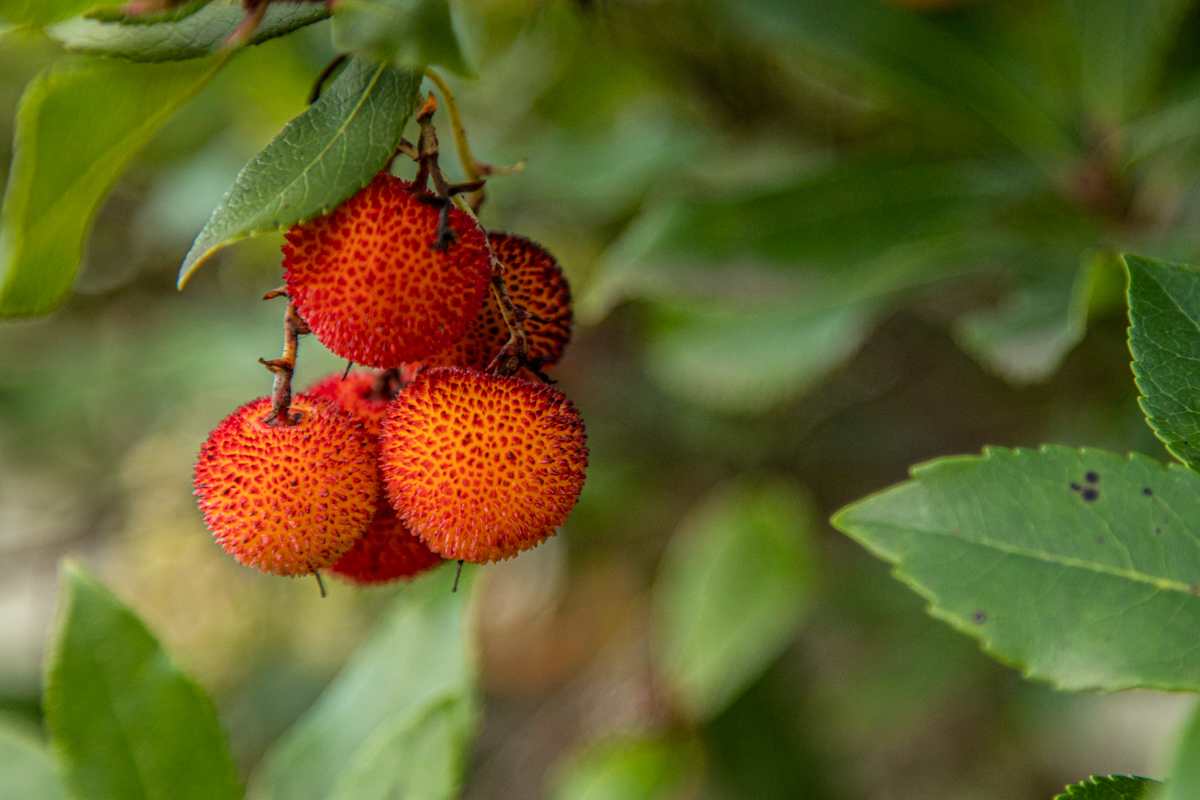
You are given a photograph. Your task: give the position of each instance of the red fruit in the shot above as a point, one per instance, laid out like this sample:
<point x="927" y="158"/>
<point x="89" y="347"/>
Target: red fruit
<point x="535" y="283"/>
<point x="370" y="285"/>
<point x="386" y="552"/>
<point x="288" y="500"/>
<point x="481" y="467"/>
<point x="358" y="394"/>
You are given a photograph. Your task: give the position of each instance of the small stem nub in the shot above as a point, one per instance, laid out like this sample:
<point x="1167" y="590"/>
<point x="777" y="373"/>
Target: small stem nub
<point x="320" y="582"/>
<point x="284" y="366"/>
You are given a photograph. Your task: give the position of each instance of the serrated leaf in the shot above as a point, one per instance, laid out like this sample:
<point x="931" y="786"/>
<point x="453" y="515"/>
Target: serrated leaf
<point x="1080" y="567"/>
<point x="26" y="769"/>
<point x="319" y="160"/>
<point x="747" y="361"/>
<point x="1113" y="787"/>
<point x="421" y="758"/>
<point x="1164" y="336"/>
<point x="43" y="12"/>
<point x="407" y="33"/>
<point x="627" y="769"/>
<point x="1026" y="337"/>
<point x="77" y="128"/>
<point x="124" y="720"/>
<point x="420" y="656"/>
<point x="1183" y="782"/>
<point x="201" y="33"/>
<point x="733" y="588"/>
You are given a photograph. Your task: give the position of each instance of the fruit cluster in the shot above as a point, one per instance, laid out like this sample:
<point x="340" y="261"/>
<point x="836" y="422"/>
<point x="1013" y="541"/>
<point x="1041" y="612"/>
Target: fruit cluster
<point x="453" y="446"/>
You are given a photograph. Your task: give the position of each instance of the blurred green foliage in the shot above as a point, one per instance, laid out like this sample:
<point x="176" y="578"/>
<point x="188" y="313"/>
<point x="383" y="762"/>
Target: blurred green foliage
<point x="811" y="241"/>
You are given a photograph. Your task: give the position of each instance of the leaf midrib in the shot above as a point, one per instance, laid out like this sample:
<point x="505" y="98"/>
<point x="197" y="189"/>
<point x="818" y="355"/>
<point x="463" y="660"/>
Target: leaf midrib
<point x="1165" y="584"/>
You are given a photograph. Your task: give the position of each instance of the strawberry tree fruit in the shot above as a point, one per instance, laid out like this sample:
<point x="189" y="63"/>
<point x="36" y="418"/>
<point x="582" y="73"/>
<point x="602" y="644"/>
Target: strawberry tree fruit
<point x="387" y="551"/>
<point x="536" y="285"/>
<point x="377" y="281"/>
<point x="482" y="467"/>
<point x="288" y="499"/>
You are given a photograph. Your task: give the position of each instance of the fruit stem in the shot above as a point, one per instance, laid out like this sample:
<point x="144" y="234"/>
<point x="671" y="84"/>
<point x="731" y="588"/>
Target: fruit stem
<point x="284" y="366"/>
<point x="471" y="167"/>
<point x="457" y="575"/>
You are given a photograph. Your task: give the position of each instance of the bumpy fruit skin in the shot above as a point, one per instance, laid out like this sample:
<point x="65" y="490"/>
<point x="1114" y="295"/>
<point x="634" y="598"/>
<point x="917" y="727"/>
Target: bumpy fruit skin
<point x="356" y="394"/>
<point x="288" y="500"/>
<point x="371" y="287"/>
<point x="386" y="552"/>
<point x="482" y="467"/>
<point x="535" y="283"/>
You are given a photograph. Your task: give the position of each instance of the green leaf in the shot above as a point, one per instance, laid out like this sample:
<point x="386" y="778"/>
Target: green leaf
<point x="1079" y="567"/>
<point x="627" y="769"/>
<point x="747" y="361"/>
<point x="43" y="12"/>
<point x="1114" y="787"/>
<point x="1164" y="336"/>
<point x="418" y="759"/>
<point x="124" y="720"/>
<point x="26" y="769"/>
<point x="928" y="60"/>
<point x="1026" y="337"/>
<point x="734" y="586"/>
<point x="408" y="33"/>
<point x="77" y="128"/>
<point x="420" y="656"/>
<point x="1122" y="46"/>
<point x="851" y="232"/>
<point x="319" y="160"/>
<point x="1183" y="782"/>
<point x="201" y="33"/>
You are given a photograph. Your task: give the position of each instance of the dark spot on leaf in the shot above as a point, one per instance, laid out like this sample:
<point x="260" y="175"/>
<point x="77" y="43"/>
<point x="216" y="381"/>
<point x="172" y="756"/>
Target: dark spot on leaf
<point x="1092" y="477"/>
<point x="1158" y="530"/>
<point x="979" y="617"/>
<point x="1194" y="589"/>
<point x="1148" y="492"/>
<point x="1074" y="486"/>
<point x="1099" y="540"/>
<point x="1090" y="494"/>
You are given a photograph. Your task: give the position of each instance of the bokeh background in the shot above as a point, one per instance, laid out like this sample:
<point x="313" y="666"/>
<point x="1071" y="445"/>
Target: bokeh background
<point x="811" y="244"/>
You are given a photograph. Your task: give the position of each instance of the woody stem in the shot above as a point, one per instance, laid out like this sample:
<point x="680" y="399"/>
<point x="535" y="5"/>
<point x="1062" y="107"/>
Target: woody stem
<point x="469" y="165"/>
<point x="284" y="367"/>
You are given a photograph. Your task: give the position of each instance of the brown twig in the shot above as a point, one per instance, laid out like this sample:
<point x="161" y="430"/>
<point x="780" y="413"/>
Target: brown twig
<point x="284" y="366"/>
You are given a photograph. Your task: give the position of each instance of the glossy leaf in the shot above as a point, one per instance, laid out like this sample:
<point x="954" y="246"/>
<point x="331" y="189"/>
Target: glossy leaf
<point x="1025" y="338"/>
<point x="421" y="758"/>
<point x="43" y="12"/>
<point x="748" y="361"/>
<point x="1079" y="567"/>
<point x="1183" y="783"/>
<point x="26" y="770"/>
<point x="407" y="33"/>
<point x="201" y="33"/>
<point x="124" y="720"/>
<point x="1113" y="787"/>
<point x="734" y="586"/>
<point x="627" y="769"/>
<point x="1164" y="309"/>
<point x="77" y="128"/>
<point x="319" y="160"/>
<point x="419" y="658"/>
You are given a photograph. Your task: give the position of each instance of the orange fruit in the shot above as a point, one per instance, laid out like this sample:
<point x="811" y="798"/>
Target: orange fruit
<point x="481" y="467"/>
<point x="288" y="500"/>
